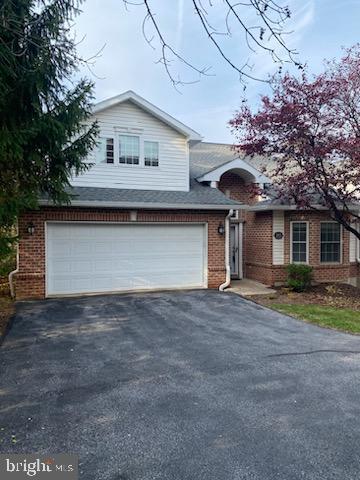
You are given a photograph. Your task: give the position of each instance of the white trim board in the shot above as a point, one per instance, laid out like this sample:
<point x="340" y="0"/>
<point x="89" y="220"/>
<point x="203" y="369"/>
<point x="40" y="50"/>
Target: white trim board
<point x="278" y="225"/>
<point x="143" y="205"/>
<point x="251" y="174"/>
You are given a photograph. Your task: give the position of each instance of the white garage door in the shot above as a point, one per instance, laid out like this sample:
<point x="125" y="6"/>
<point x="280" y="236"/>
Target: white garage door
<point x="89" y="258"/>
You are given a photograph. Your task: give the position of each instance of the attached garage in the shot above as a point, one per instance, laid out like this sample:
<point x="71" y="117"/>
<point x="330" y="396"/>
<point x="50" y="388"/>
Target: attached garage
<point x="110" y="257"/>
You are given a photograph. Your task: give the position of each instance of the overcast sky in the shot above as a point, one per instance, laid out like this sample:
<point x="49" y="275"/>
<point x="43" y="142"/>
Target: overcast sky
<point x="320" y="28"/>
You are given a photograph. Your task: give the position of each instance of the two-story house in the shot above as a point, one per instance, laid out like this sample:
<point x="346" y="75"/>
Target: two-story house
<point x="161" y="209"/>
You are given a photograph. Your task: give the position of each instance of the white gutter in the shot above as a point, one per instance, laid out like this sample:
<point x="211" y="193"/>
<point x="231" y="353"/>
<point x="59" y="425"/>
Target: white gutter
<point x="227" y="252"/>
<point x="14" y="272"/>
<point x="147" y="205"/>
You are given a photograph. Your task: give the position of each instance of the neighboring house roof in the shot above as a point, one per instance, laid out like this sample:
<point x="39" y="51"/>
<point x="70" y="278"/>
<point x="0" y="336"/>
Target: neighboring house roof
<point x="289" y="204"/>
<point x="133" y="97"/>
<point x="199" y="197"/>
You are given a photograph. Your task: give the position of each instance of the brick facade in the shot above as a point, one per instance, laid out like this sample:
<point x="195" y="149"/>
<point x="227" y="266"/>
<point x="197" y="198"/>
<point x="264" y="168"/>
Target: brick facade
<point x="30" y="281"/>
<point x="256" y="247"/>
<point x="257" y="240"/>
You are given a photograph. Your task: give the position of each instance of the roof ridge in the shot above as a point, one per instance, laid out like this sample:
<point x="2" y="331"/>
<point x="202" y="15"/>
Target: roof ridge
<point x="217" y="143"/>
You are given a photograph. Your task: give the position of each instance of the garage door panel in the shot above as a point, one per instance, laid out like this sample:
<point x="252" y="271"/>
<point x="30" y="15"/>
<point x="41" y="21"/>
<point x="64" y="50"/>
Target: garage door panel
<point x="89" y="258"/>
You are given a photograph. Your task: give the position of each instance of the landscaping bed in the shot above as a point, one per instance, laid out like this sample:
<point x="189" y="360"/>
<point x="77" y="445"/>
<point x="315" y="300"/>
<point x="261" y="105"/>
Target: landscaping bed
<point x="328" y="305"/>
<point x="6" y="305"/>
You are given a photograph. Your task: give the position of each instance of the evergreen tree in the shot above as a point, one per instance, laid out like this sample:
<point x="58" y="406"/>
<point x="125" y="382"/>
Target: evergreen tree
<point x="45" y="128"/>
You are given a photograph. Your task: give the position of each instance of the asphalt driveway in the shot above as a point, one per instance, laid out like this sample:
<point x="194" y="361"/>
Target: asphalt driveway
<point x="186" y="385"/>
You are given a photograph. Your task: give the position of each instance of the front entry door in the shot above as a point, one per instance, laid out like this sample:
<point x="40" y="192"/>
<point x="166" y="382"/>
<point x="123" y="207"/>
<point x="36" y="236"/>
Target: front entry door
<point x="234" y="250"/>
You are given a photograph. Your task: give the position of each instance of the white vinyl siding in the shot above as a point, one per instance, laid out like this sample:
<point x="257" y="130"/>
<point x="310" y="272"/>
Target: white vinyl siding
<point x="352" y="248"/>
<point x="278" y="244"/>
<point x="130" y="120"/>
<point x="97" y="257"/>
<point x="353" y="245"/>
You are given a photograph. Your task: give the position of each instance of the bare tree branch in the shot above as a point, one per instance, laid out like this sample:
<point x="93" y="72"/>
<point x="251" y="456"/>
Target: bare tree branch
<point x="272" y="18"/>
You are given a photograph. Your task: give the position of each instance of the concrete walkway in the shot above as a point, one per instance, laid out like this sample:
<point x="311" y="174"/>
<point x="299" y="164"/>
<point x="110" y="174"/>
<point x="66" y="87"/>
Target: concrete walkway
<point x="248" y="288"/>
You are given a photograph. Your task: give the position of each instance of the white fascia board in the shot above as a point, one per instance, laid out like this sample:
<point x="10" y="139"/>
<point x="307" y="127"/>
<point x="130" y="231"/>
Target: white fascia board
<point x="215" y="174"/>
<point x="188" y="132"/>
<point x="142" y="205"/>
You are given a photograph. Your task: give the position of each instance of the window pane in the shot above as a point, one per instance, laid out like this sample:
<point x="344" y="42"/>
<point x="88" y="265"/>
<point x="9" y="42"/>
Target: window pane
<point x="299" y="242"/>
<point x="105" y="150"/>
<point x="151" y="154"/>
<point x="129" y="149"/>
<point x="299" y="232"/>
<point x="109" y="150"/>
<point x="330" y="242"/>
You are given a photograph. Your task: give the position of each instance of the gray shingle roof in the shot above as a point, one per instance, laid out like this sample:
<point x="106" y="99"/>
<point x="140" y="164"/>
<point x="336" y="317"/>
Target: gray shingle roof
<point x="198" y="195"/>
<point x="203" y="158"/>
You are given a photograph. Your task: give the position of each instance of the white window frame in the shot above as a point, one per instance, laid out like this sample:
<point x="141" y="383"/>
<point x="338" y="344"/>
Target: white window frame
<point x="158" y="149"/>
<point x="142" y="139"/>
<point x="101" y="150"/>
<point x="341" y="244"/>
<point x="307" y="242"/>
<point x="117" y="150"/>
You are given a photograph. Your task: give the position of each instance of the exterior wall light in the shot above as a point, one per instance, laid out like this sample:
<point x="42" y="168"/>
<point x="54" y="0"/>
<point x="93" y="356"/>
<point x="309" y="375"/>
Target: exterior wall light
<point x="31" y="228"/>
<point x="221" y="229"/>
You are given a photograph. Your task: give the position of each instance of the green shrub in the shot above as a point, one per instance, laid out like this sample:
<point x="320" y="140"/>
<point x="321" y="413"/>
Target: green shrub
<point x="299" y="277"/>
<point x="7" y="263"/>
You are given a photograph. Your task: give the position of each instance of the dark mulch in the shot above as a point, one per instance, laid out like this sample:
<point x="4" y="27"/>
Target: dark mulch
<point x="330" y="294"/>
<point x="6" y="306"/>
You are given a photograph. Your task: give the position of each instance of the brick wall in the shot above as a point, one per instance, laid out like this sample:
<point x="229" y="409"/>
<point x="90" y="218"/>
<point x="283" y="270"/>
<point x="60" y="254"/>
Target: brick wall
<point x="258" y="241"/>
<point x="258" y="246"/>
<point x="322" y="272"/>
<point x="30" y="281"/>
<point x="233" y="185"/>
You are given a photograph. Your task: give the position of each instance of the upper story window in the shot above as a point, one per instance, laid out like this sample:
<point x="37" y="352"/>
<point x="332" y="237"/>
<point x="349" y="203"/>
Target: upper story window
<point x="105" y="150"/>
<point x="330" y="242"/>
<point x="299" y="242"/>
<point x="109" y="150"/>
<point x="151" y="154"/>
<point x="129" y="149"/>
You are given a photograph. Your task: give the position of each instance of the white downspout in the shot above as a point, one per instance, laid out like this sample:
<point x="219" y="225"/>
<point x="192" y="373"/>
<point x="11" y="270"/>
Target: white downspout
<point x="14" y="272"/>
<point x="227" y="252"/>
<point x="357" y="245"/>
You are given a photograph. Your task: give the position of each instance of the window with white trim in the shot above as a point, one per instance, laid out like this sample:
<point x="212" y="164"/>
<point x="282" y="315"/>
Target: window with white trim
<point x="129" y="149"/>
<point x="105" y="150"/>
<point x="109" y="150"/>
<point x="299" y="242"/>
<point x="330" y="242"/>
<point x="151" y="154"/>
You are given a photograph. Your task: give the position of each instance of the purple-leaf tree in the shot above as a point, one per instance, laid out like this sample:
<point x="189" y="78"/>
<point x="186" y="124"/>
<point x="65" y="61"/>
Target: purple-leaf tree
<point x="309" y="129"/>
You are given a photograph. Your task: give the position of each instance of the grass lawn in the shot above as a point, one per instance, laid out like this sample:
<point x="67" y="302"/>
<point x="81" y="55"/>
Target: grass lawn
<point x="339" y="318"/>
